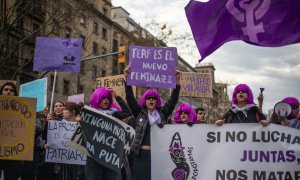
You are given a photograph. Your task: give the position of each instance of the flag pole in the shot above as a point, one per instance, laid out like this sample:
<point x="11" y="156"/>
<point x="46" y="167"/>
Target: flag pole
<point x="52" y="94"/>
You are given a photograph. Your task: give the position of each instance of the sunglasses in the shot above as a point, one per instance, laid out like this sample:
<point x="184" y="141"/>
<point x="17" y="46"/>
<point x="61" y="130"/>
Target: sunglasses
<point x="241" y="92"/>
<point x="295" y="106"/>
<point x="151" y="98"/>
<point x="9" y="89"/>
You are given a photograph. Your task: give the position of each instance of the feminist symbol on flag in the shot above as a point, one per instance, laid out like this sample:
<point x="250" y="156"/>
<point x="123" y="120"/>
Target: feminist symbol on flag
<point x="254" y="10"/>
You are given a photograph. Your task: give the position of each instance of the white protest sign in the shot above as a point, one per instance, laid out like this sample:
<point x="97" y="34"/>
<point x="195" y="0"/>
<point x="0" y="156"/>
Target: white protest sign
<point x="76" y="98"/>
<point x="59" y="134"/>
<point x="229" y="152"/>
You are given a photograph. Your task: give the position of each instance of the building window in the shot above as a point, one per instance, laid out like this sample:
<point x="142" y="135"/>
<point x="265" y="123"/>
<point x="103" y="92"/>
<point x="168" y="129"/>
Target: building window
<point x="105" y="11"/>
<point x="52" y="82"/>
<point x="104" y="51"/>
<point x="20" y="23"/>
<point x="83" y="41"/>
<point x="94" y="72"/>
<point x="67" y="10"/>
<point x="55" y="28"/>
<point x="80" y="89"/>
<point x="95" y="28"/>
<point x="35" y="27"/>
<point x="103" y="73"/>
<point x="95" y="48"/>
<point x="67" y="33"/>
<point x="66" y="87"/>
<point x="82" y="67"/>
<point x="83" y="20"/>
<point x="104" y="33"/>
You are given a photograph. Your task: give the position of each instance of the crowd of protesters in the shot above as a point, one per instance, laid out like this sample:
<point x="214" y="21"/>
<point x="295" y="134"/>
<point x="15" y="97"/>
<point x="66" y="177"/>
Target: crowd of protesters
<point x="141" y="114"/>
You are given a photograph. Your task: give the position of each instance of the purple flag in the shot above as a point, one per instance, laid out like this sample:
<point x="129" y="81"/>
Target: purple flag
<point x="152" y="67"/>
<point x="60" y="54"/>
<point x="270" y="23"/>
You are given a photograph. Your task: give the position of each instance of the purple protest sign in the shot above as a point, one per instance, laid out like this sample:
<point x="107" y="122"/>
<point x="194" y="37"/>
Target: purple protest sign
<point x="60" y="54"/>
<point x="76" y="98"/>
<point x="269" y="23"/>
<point x="152" y="67"/>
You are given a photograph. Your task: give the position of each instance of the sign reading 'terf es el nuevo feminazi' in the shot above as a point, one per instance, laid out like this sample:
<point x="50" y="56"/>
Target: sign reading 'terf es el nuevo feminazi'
<point x="152" y="67"/>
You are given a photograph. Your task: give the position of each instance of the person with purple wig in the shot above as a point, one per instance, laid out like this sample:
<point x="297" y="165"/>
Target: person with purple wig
<point x="185" y="114"/>
<point x="148" y="111"/>
<point x="243" y="109"/>
<point x="294" y="116"/>
<point x="102" y="100"/>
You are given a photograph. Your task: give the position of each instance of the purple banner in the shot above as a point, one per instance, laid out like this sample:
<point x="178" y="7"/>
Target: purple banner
<point x="270" y="23"/>
<point x="60" y="54"/>
<point x="152" y="67"/>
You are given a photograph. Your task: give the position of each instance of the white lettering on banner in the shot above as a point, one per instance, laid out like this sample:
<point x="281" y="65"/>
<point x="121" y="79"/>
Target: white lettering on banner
<point x="151" y="77"/>
<point x="158" y="54"/>
<point x="109" y="141"/>
<point x="110" y="158"/>
<point x="140" y="53"/>
<point x="168" y="56"/>
<point x="232" y="151"/>
<point x="155" y="66"/>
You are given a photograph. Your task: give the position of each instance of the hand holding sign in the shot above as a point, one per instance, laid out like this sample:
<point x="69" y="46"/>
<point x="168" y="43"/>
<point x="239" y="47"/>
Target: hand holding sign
<point x="152" y="67"/>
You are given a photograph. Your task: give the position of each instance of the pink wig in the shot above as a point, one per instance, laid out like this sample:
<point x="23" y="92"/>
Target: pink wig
<point x="242" y="87"/>
<point x="98" y="95"/>
<point x="188" y="110"/>
<point x="150" y="92"/>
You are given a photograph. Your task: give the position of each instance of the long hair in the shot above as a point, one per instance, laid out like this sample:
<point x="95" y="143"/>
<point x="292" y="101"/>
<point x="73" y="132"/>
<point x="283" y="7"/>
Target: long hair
<point x="150" y="92"/>
<point x="98" y="95"/>
<point x="188" y="110"/>
<point x="11" y="84"/>
<point x="243" y="87"/>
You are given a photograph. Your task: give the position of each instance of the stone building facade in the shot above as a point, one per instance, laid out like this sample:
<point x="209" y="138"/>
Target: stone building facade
<point x="103" y="29"/>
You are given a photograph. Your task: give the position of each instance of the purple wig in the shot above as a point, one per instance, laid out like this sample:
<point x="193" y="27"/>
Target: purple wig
<point x="294" y="103"/>
<point x="242" y="87"/>
<point x="98" y="95"/>
<point x="188" y="110"/>
<point x="291" y="101"/>
<point x="150" y="92"/>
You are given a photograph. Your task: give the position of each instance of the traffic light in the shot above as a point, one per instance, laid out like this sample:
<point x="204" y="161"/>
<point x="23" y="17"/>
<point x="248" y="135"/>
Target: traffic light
<point x="122" y="56"/>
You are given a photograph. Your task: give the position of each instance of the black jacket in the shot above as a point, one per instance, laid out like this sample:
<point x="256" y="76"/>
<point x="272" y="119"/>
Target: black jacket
<point x="254" y="115"/>
<point x="141" y="115"/>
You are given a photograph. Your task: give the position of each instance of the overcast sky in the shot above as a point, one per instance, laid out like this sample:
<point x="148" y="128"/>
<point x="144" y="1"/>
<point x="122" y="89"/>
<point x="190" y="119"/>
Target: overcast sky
<point x="275" y="69"/>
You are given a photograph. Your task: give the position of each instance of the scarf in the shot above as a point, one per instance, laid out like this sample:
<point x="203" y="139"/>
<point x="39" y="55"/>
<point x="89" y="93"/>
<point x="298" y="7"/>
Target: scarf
<point x="244" y="109"/>
<point x="109" y="111"/>
<point x="154" y="117"/>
